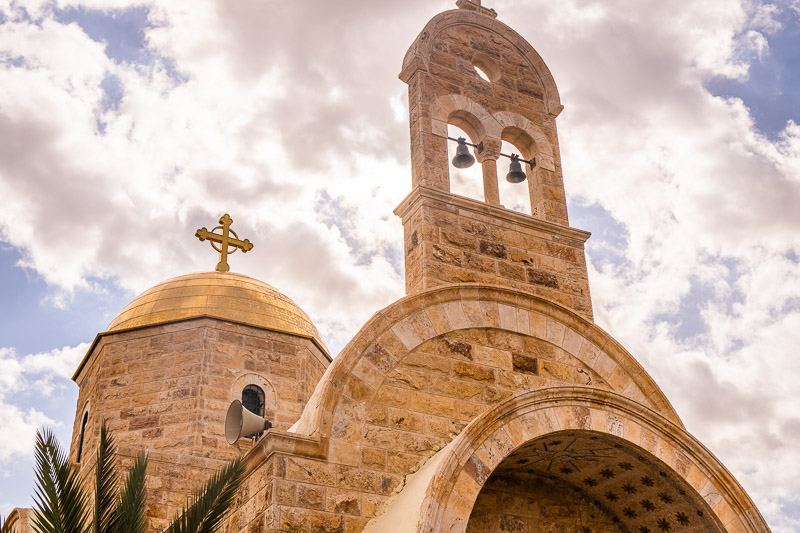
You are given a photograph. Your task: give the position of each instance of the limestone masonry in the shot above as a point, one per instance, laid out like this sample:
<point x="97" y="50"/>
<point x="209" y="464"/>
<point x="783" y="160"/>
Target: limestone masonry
<point x="485" y="400"/>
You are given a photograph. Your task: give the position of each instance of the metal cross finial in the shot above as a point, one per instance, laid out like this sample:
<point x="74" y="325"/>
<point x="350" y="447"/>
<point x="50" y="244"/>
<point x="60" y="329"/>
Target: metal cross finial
<point x="224" y="241"/>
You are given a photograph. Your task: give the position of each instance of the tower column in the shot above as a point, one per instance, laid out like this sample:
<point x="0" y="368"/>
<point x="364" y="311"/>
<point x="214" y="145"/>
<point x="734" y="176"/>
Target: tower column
<point x="488" y="159"/>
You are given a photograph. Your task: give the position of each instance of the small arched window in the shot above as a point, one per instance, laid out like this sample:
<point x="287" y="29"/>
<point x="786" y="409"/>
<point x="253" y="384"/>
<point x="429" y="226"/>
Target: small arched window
<point x="84" y="422"/>
<point x="253" y="399"/>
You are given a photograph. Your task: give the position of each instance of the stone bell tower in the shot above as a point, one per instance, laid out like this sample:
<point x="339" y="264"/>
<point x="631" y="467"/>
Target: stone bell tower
<point x="450" y="239"/>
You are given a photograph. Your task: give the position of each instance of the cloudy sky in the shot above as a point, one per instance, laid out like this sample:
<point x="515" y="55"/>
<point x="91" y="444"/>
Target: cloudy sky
<point x="125" y="125"/>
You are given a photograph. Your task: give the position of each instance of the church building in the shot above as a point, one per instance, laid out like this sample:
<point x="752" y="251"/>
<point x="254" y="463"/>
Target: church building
<point x="485" y="400"/>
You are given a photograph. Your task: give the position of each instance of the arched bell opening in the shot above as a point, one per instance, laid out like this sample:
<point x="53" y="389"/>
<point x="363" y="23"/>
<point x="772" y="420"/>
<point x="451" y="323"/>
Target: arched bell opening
<point x="469" y="123"/>
<point x="479" y="180"/>
<point x="467" y="182"/>
<point x="522" y="197"/>
<point x="587" y="481"/>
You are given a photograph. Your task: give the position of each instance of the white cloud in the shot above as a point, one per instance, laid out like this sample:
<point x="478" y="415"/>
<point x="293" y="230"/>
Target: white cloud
<point x="23" y="380"/>
<point x="10" y="371"/>
<point x="19" y="431"/>
<point x="765" y="18"/>
<point x="59" y="362"/>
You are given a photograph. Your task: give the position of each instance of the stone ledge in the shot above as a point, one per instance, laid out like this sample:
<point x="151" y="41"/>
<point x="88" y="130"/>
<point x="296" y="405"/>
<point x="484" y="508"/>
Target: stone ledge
<point x="414" y="199"/>
<point x="102" y="336"/>
<point x="275" y="441"/>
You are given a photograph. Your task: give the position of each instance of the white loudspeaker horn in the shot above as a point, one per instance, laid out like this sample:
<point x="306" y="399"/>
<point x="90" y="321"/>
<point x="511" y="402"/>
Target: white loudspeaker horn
<point x="240" y="422"/>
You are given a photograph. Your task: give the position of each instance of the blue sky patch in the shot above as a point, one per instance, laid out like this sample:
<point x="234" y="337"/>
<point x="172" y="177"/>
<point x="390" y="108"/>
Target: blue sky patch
<point x="112" y="86"/>
<point x="609" y="238"/>
<point x="123" y="30"/>
<point x="771" y="91"/>
<point x="35" y="322"/>
<point x="687" y="322"/>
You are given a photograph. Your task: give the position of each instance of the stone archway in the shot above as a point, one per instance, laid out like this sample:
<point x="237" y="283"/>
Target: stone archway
<point x="354" y="380"/>
<point x="619" y="465"/>
<point x="670" y="457"/>
<point x="581" y="480"/>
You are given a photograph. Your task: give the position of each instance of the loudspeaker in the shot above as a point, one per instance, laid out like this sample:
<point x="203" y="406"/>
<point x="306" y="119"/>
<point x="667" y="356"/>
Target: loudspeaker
<point x="240" y="422"/>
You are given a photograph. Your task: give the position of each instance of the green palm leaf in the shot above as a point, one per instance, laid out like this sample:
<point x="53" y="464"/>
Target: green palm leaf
<point x="208" y="506"/>
<point x="130" y="515"/>
<point x="62" y="504"/>
<point x="106" y="479"/>
<point x="59" y="497"/>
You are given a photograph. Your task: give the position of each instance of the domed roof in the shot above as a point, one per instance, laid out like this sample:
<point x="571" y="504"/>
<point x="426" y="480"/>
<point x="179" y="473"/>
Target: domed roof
<point x="219" y="295"/>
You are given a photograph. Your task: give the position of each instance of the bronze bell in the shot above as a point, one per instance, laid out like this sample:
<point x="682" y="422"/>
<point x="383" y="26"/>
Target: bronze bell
<point x="515" y="172"/>
<point x="463" y="159"/>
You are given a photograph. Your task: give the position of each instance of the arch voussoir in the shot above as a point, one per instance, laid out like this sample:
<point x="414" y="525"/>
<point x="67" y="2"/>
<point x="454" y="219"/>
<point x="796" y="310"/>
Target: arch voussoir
<point x="492" y="438"/>
<point x="366" y="370"/>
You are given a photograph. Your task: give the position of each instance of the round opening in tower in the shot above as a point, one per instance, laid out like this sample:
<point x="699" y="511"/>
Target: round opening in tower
<point x="486" y="67"/>
<point x="481" y="73"/>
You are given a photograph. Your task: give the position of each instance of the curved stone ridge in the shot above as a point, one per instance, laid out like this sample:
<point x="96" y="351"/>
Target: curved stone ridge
<point x="221" y="295"/>
<point x="417" y="54"/>
<point x="441" y="496"/>
<point x="359" y="375"/>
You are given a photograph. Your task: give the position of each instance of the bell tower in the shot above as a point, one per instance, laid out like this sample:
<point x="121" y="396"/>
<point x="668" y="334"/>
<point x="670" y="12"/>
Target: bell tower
<point x="450" y="239"/>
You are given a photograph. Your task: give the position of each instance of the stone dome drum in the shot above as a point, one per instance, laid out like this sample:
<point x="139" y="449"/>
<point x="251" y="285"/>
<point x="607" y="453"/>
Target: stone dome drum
<point x="220" y="295"/>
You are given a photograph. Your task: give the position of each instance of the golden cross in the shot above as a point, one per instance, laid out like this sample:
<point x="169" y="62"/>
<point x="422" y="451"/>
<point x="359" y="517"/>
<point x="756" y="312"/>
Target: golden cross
<point x="224" y="241"/>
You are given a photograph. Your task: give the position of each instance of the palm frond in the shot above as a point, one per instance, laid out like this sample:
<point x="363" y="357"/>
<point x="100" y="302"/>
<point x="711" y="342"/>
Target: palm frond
<point x="208" y="507"/>
<point x="130" y="516"/>
<point x="59" y="496"/>
<point x="105" y="487"/>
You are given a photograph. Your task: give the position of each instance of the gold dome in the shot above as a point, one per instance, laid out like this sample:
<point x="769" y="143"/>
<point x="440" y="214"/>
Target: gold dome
<point x="220" y="295"/>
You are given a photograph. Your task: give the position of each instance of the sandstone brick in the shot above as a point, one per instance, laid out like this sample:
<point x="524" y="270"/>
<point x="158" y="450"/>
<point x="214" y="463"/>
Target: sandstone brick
<point x="471" y="371"/>
<point x="428" y="362"/>
<point x="356" y="479"/>
<point x="343" y="502"/>
<point x="525" y="363"/>
<point x="494" y="249"/>
<point x="373" y="457"/>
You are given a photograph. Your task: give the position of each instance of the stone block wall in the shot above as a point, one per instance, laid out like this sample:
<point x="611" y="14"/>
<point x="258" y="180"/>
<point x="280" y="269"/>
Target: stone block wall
<point x="289" y="492"/>
<point x="167" y="389"/>
<point x="431" y="393"/>
<point x="451" y="240"/>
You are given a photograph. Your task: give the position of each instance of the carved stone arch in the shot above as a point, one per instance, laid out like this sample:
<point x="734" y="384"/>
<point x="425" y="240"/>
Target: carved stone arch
<point x="466" y="114"/>
<point x="481" y="128"/>
<point x="342" y="398"/>
<point x="415" y="59"/>
<point x="532" y="142"/>
<point x="270" y="396"/>
<point x="441" y="496"/>
<point x="515" y="128"/>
